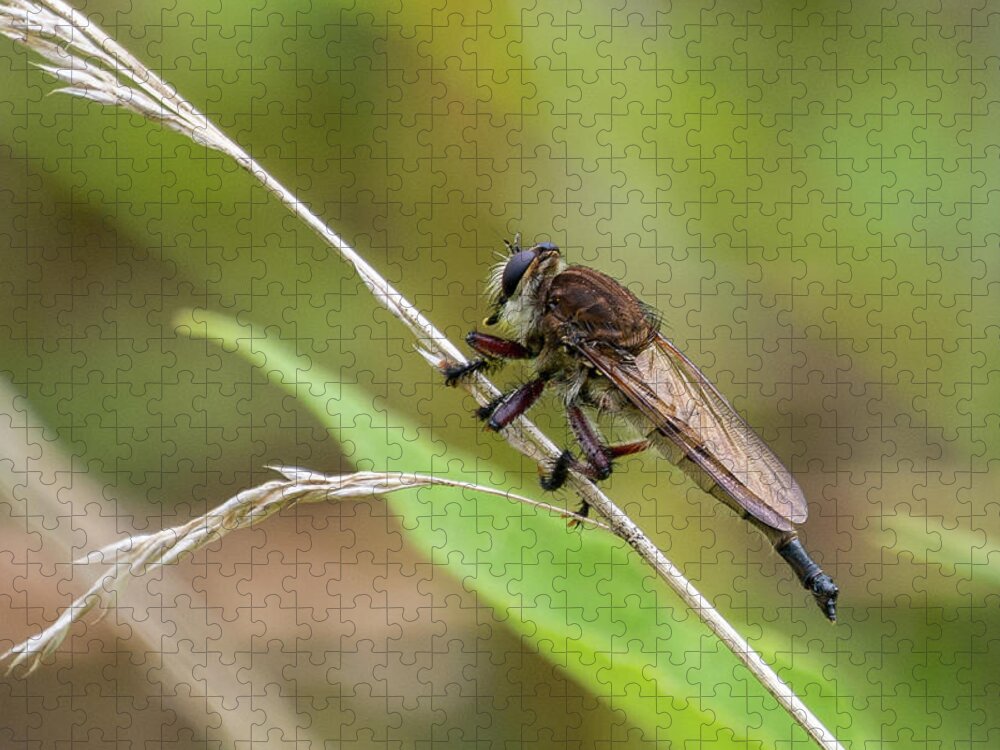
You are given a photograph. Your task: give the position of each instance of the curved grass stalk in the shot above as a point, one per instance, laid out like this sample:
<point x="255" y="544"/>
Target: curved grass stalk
<point x="137" y="555"/>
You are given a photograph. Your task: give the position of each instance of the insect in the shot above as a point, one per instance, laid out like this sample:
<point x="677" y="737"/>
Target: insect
<point x="599" y="347"/>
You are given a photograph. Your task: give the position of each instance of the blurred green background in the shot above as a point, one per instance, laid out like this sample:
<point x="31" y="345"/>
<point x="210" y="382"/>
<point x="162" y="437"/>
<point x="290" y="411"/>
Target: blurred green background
<point x="808" y="193"/>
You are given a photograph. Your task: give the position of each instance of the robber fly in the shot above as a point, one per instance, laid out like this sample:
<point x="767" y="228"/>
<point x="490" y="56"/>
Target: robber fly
<point x="599" y="347"/>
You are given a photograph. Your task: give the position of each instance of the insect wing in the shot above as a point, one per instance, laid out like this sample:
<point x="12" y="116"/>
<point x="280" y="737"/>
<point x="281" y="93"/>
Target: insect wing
<point x="688" y="410"/>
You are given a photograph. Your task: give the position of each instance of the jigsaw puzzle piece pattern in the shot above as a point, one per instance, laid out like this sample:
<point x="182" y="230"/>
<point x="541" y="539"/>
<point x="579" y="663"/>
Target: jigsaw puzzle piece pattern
<point x="808" y="194"/>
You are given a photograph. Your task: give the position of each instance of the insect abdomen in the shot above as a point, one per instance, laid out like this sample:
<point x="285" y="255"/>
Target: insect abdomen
<point x="676" y="455"/>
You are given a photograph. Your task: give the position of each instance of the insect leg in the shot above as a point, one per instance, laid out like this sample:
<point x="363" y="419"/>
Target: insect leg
<point x="628" y="449"/>
<point x="559" y="473"/>
<point x="454" y="373"/>
<point x="493" y="347"/>
<point x="598" y="456"/>
<point x="597" y="463"/>
<point x="507" y="408"/>
<point x="593" y="449"/>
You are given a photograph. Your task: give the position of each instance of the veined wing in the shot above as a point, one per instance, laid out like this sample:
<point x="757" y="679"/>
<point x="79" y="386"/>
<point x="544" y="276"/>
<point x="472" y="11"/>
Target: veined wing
<point x="684" y="407"/>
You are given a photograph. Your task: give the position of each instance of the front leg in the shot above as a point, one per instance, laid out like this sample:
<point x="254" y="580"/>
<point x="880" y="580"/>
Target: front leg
<point x="491" y="347"/>
<point x="502" y="411"/>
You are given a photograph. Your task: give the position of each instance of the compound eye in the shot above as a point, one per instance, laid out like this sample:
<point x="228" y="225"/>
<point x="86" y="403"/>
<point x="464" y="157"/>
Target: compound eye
<point x="515" y="270"/>
<point x="546" y="246"/>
